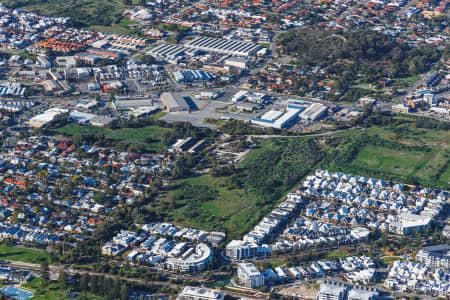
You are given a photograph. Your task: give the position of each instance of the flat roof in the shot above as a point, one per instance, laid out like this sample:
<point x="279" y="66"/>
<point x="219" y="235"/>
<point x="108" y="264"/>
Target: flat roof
<point x="272" y="115"/>
<point x="172" y="100"/>
<point x="249" y="268"/>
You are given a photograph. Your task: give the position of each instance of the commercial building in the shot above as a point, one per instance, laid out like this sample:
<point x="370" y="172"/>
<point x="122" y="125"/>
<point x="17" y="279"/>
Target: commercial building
<point x="278" y="119"/>
<point x="314" y="112"/>
<point x="44" y="62"/>
<point x="46" y="117"/>
<point x="237" y="62"/>
<point x="131" y="104"/>
<point x="81" y="117"/>
<point x="238" y="249"/>
<point x="230" y="47"/>
<point x="437" y="256"/>
<point x="174" y="102"/>
<point x="182" y="76"/>
<point x="431" y="99"/>
<point x="408" y="223"/>
<point x="167" y="51"/>
<point x="51" y="85"/>
<point x="333" y="290"/>
<point x="239" y="96"/>
<point x="249" y="275"/>
<point x="400" y="108"/>
<point x="197" y="259"/>
<point x="199" y="293"/>
<point x="362" y="293"/>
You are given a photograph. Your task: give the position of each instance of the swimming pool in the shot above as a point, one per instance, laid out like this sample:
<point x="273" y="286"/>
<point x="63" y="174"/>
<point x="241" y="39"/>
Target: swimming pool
<point x="17" y="293"/>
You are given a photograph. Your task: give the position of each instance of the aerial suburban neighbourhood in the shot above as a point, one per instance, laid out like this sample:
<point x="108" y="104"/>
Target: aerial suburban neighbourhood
<point x="225" y="149"/>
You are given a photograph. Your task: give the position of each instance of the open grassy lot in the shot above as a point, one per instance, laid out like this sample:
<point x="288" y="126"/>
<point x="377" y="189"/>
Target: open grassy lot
<point x="124" y="27"/>
<point x="388" y="259"/>
<point x="52" y="292"/>
<point x="408" y="135"/>
<point x="401" y="153"/>
<point x="220" y="208"/>
<point x="24" y="255"/>
<point x="149" y="136"/>
<point x="392" y="160"/>
<point x="336" y="255"/>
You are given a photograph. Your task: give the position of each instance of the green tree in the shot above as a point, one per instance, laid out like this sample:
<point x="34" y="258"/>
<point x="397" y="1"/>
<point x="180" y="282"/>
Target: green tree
<point x="62" y="280"/>
<point x="417" y="237"/>
<point x="116" y="287"/>
<point x="147" y="59"/>
<point x="124" y="292"/>
<point x="45" y="273"/>
<point x="84" y="281"/>
<point x="94" y="284"/>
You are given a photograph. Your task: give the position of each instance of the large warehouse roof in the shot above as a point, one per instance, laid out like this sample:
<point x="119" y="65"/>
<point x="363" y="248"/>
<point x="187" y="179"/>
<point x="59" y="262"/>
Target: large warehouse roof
<point x="233" y="47"/>
<point x="174" y="102"/>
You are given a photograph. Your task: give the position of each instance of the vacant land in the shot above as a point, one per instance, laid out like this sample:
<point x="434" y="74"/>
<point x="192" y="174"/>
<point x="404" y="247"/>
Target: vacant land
<point x="83" y="13"/>
<point x="124" y="27"/>
<point x="236" y="203"/>
<point x="24" y="255"/>
<point x="392" y="160"/>
<point x="400" y="153"/>
<point x="205" y="202"/>
<point x="150" y="136"/>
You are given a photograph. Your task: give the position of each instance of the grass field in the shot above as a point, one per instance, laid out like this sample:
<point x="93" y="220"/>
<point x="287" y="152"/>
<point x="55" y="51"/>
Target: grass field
<point x="124" y="27"/>
<point x="388" y="259"/>
<point x="392" y="160"/>
<point x="406" y="134"/>
<point x="149" y="136"/>
<point x="409" y="154"/>
<point x="24" y="255"/>
<point x="52" y="292"/>
<point x="336" y="255"/>
<point x="231" y="210"/>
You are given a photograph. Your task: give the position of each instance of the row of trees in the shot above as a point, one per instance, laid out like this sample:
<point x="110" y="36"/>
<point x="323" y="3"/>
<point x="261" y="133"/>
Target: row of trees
<point x="97" y="285"/>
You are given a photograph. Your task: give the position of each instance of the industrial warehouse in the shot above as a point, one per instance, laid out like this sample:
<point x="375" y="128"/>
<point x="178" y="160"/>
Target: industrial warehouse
<point x="293" y="112"/>
<point x="167" y="51"/>
<point x="277" y="119"/>
<point x="175" y="102"/>
<point x="192" y="75"/>
<point x="230" y="47"/>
